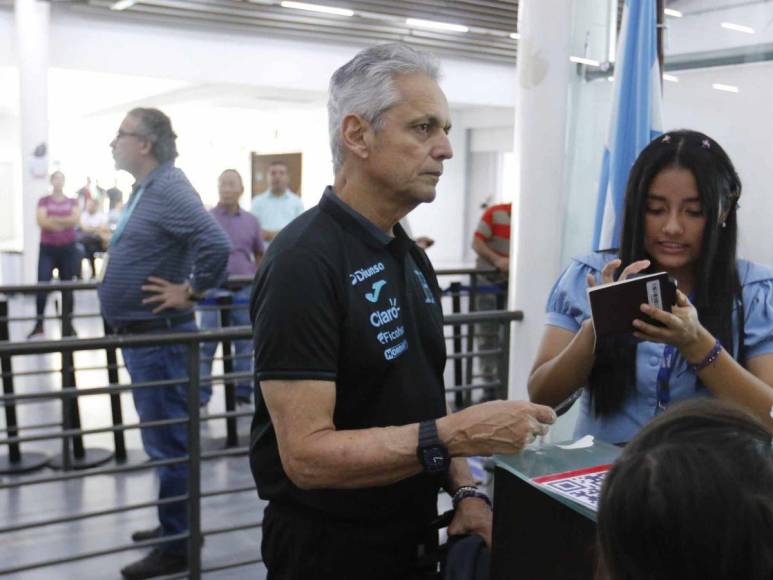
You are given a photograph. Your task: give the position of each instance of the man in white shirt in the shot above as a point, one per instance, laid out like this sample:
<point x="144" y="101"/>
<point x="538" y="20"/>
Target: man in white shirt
<point x="93" y="232"/>
<point x="277" y="206"/>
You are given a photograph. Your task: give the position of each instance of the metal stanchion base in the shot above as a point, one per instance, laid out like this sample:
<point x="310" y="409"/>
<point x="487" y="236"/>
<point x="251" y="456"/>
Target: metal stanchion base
<point x="92" y="457"/>
<point x="30" y="461"/>
<point x="133" y="457"/>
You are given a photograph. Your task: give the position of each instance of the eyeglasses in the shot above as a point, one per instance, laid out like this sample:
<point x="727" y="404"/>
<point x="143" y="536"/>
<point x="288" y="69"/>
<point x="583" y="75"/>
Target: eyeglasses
<point x="122" y="133"/>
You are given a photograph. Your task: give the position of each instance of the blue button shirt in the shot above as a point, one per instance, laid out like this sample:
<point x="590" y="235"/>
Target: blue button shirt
<point x="567" y="308"/>
<point x="169" y="234"/>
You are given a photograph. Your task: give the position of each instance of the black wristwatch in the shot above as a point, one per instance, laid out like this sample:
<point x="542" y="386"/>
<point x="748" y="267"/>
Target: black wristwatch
<point x="431" y="452"/>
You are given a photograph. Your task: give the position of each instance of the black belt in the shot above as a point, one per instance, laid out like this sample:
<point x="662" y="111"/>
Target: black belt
<point x="160" y="323"/>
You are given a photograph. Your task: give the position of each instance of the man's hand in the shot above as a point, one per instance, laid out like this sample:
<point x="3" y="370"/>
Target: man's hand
<point x="494" y="427"/>
<point x="167" y="294"/>
<point x="502" y="263"/>
<point x="472" y="516"/>
<point x="424" y="242"/>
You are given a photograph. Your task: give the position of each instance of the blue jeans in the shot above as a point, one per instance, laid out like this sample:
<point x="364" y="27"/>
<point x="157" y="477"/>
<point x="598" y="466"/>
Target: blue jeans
<point x="66" y="259"/>
<point x="155" y="363"/>
<point x="240" y="316"/>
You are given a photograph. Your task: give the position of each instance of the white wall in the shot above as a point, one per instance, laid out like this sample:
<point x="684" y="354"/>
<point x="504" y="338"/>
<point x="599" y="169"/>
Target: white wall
<point x="6" y="37"/>
<point x="743" y="124"/>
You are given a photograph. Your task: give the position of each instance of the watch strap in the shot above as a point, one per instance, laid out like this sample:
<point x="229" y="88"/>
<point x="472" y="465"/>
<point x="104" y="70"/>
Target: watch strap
<point x="428" y="433"/>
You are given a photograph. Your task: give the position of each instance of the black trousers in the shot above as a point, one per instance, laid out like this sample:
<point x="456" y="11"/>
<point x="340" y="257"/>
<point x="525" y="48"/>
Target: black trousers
<point x="299" y="545"/>
<point x="92" y="244"/>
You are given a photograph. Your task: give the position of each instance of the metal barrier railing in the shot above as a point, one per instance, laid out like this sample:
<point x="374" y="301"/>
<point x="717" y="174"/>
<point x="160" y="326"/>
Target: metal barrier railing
<point x="86" y="457"/>
<point x="71" y="434"/>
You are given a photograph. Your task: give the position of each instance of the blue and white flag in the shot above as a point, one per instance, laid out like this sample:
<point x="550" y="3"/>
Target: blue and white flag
<point x="636" y="115"/>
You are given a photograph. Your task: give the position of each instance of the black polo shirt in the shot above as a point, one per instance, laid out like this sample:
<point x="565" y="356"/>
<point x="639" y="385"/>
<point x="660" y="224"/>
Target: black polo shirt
<point x="336" y="299"/>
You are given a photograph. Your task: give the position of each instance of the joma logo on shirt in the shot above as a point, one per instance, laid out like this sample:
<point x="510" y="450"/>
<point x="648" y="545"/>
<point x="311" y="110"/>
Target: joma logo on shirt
<point x="381" y="317"/>
<point x="364" y="273"/>
<point x="377" y="286"/>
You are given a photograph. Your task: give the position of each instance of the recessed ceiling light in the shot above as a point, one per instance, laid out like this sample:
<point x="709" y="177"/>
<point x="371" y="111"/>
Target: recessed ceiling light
<point x="582" y="60"/>
<point x="670" y="78"/>
<point x="434" y="25"/>
<point x="672" y="12"/>
<point x="317" y="8"/>
<point x="122" y="5"/>
<point x="737" y="27"/>
<point x="726" y="88"/>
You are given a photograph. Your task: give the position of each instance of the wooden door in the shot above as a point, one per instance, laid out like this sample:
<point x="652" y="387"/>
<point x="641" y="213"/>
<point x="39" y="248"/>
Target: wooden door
<point x="260" y="165"/>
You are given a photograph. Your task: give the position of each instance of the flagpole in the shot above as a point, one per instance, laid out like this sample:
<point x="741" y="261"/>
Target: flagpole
<point x="661" y="25"/>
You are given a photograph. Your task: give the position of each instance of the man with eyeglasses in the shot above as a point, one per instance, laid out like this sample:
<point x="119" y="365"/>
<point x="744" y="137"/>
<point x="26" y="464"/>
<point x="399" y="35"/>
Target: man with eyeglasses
<point x="165" y="251"/>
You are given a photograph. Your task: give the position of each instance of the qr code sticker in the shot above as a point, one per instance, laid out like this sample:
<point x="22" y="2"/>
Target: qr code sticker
<point x="584" y="486"/>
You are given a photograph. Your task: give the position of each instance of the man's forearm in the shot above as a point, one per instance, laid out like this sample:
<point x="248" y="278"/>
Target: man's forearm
<point x="354" y="458"/>
<point x="459" y="474"/>
<point x="212" y="251"/>
<point x="484" y="251"/>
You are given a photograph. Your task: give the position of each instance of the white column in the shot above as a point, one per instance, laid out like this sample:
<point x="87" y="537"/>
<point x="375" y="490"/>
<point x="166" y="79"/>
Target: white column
<point x="32" y="31"/>
<point x="540" y="127"/>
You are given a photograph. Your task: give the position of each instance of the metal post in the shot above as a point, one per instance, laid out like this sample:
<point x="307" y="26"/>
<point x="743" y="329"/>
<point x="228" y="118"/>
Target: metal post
<point x="194" y="462"/>
<point x="80" y="458"/>
<point x="470" y="362"/>
<point x="119" y="440"/>
<point x="503" y="368"/>
<point x="456" y="303"/>
<point x="66" y="315"/>
<point x="15" y="462"/>
<point x="65" y="460"/>
<point x="473" y="306"/>
<point x="232" y="437"/>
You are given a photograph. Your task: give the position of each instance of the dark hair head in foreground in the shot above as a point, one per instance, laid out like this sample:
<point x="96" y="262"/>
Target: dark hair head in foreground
<point x="691" y="498"/>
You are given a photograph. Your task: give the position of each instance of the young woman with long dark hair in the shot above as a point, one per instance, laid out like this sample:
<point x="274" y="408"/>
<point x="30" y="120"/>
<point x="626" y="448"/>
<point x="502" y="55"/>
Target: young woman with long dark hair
<point x="680" y="217"/>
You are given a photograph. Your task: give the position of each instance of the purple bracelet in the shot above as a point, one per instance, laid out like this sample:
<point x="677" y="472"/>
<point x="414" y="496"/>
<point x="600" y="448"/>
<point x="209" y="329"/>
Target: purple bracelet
<point x="710" y="358"/>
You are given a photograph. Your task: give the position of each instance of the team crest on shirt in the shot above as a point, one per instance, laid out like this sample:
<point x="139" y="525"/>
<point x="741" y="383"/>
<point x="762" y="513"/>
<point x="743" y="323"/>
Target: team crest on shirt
<point x="429" y="298"/>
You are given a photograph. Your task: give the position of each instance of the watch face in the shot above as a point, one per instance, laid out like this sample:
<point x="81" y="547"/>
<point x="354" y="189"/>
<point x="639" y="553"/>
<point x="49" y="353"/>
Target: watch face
<point x="435" y="459"/>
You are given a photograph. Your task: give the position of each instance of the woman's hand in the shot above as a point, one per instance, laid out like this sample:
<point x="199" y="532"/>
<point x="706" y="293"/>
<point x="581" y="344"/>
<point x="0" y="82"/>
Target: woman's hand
<point x="608" y="272"/>
<point x="682" y="329"/>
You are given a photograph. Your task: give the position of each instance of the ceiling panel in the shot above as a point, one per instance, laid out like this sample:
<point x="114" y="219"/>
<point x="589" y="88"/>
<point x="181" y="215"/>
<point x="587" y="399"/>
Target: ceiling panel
<point x="490" y="22"/>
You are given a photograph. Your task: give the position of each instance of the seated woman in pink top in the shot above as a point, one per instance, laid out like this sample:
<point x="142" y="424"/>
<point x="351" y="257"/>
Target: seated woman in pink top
<point x="57" y="216"/>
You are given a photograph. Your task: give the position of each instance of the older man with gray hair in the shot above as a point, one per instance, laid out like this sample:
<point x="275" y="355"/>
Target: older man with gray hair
<point x="351" y="439"/>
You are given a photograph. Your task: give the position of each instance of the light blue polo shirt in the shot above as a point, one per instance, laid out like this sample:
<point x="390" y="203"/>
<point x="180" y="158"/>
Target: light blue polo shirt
<point x="567" y="308"/>
<point x="276" y="211"/>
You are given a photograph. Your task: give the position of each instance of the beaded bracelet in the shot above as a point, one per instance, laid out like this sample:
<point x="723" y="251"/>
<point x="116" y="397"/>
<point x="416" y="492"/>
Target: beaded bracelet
<point x="710" y="358"/>
<point x="469" y="491"/>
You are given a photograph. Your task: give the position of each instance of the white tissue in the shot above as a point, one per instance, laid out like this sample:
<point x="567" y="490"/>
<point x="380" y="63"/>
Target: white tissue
<point x="581" y="443"/>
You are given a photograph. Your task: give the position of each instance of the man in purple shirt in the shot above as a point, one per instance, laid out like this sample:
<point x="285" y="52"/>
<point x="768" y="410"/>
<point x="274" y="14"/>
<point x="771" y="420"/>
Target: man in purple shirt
<point x="246" y="238"/>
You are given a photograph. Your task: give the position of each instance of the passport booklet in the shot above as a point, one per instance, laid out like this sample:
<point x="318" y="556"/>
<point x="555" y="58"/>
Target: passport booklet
<point x="616" y="305"/>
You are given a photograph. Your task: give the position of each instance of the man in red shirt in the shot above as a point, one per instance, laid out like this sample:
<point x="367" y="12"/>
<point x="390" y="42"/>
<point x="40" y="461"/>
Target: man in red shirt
<point x="491" y="243"/>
